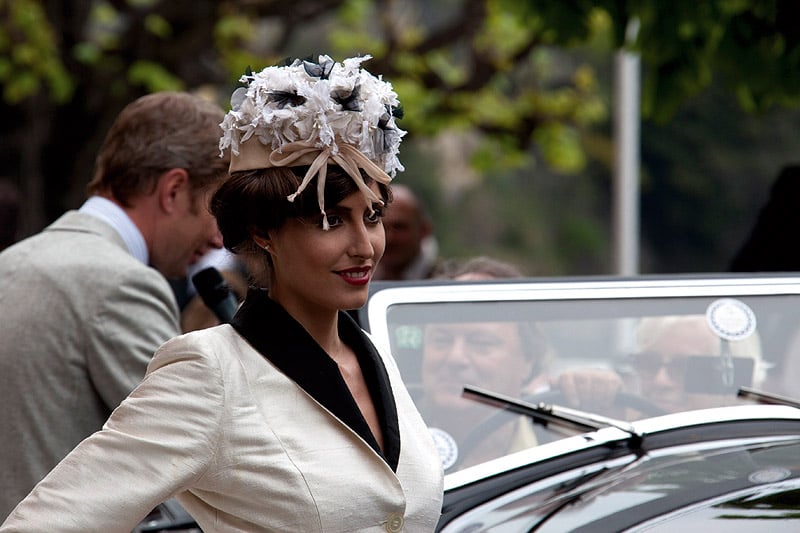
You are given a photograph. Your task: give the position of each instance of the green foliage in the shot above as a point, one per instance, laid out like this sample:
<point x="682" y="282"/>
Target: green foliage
<point x="153" y="77"/>
<point x="30" y="54"/>
<point x="492" y="75"/>
<point x="234" y="36"/>
<point x="352" y="33"/>
<point x="751" y="45"/>
<point x="561" y="146"/>
<point x="158" y="26"/>
<point x="564" y="23"/>
<point x="526" y="81"/>
<point x="87" y="53"/>
<point x="498" y="152"/>
<point x="506" y="32"/>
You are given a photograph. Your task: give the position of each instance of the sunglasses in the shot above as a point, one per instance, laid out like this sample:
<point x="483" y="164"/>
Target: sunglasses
<point x="649" y="364"/>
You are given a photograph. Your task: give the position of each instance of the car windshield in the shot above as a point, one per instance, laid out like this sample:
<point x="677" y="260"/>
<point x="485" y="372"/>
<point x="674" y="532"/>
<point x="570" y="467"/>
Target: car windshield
<point x="632" y="356"/>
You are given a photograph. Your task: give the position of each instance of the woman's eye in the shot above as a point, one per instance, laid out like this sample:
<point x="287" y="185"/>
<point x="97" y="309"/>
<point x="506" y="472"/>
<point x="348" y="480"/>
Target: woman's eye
<point x="376" y="215"/>
<point x="334" y="220"/>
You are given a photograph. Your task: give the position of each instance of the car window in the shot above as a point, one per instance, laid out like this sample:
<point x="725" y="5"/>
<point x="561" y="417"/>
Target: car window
<point x="669" y="354"/>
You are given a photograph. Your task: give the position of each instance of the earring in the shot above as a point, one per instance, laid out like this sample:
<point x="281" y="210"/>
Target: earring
<point x="266" y="247"/>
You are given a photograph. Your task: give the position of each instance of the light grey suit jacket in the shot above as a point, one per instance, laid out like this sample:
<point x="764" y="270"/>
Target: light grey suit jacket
<point x="244" y="448"/>
<point x="80" y="319"/>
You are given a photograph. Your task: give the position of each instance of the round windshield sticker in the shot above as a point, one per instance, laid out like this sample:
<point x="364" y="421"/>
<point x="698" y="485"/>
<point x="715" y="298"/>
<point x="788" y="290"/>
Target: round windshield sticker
<point x="770" y="474"/>
<point x="409" y="337"/>
<point x="731" y="319"/>
<point x="446" y="446"/>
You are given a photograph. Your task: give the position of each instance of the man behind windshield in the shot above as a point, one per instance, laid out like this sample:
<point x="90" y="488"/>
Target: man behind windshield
<point x="681" y="364"/>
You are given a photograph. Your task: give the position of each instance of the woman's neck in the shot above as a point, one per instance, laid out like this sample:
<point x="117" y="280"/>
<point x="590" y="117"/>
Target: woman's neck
<point x="321" y="324"/>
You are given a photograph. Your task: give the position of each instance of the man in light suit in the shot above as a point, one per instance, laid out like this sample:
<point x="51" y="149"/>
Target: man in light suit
<point x="85" y="303"/>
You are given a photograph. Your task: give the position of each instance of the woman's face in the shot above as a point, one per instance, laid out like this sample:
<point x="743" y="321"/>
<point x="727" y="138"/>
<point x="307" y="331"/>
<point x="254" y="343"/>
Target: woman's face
<point x="318" y="270"/>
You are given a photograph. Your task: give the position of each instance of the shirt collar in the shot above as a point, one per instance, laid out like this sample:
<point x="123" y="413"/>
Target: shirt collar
<point x="113" y="215"/>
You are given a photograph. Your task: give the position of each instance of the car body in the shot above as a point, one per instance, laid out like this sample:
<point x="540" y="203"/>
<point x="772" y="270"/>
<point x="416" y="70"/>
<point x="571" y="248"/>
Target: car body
<point x="725" y="469"/>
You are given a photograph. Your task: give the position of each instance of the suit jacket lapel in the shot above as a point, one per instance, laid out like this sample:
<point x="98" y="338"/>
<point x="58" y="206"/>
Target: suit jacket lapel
<point x="282" y="340"/>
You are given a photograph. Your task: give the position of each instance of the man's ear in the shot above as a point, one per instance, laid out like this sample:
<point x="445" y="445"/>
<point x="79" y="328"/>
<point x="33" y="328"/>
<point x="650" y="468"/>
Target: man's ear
<point x="426" y="227"/>
<point x="171" y="185"/>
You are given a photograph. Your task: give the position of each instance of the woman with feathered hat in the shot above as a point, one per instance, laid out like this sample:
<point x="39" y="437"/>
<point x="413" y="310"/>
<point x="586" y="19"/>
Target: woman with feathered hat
<point x="289" y="418"/>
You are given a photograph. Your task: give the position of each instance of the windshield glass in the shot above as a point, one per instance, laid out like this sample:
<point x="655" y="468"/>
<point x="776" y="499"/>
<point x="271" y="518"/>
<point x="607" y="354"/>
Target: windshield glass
<point x="628" y="358"/>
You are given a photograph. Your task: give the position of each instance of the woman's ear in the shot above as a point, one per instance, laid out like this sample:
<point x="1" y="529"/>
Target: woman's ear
<point x="262" y="242"/>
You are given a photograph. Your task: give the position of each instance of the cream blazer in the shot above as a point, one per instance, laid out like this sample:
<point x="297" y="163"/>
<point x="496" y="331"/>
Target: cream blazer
<point x="243" y="448"/>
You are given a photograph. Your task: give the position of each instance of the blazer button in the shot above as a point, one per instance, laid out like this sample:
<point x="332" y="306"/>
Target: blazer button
<point x="394" y="523"/>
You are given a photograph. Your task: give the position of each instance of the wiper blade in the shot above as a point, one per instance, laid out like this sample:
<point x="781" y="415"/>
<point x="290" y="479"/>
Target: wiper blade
<point x="766" y="397"/>
<point x="547" y="413"/>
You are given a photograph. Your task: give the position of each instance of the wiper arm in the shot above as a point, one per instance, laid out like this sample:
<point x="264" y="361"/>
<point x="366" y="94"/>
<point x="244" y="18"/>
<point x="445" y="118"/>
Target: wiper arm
<point x="766" y="397"/>
<point x="549" y="414"/>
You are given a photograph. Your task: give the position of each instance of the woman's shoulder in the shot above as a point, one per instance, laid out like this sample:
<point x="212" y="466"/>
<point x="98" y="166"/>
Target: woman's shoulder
<point x="202" y="344"/>
<point x="202" y="337"/>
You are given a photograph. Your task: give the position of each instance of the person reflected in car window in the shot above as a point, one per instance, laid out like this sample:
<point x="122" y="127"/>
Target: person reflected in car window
<point x="511" y="358"/>
<point x="501" y="357"/>
<point x="681" y="364"/>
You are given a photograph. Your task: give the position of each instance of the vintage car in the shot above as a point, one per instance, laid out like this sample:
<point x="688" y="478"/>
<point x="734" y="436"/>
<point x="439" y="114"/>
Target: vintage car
<point x="604" y="404"/>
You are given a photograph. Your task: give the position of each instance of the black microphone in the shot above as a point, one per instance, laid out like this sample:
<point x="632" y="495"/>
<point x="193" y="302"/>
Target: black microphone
<point x="216" y="293"/>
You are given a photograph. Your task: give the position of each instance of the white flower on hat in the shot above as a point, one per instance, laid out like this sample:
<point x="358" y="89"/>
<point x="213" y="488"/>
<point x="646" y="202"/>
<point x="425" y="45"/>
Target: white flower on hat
<point x="313" y="114"/>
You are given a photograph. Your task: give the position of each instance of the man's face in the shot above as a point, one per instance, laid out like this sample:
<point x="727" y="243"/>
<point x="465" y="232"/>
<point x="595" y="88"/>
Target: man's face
<point x="186" y="235"/>
<point x="489" y="355"/>
<point x="662" y="367"/>
<point x="404" y="233"/>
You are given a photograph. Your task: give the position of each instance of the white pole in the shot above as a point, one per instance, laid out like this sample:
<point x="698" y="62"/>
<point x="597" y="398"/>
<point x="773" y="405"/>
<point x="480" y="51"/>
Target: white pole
<point x="625" y="206"/>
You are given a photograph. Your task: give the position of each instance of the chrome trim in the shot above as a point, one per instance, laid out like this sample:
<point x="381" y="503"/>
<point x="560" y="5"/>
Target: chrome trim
<point x="589" y="289"/>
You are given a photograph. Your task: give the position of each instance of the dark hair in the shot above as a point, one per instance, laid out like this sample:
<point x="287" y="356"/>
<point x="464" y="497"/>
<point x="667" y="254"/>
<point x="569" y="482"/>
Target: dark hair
<point x="155" y="133"/>
<point x="255" y="202"/>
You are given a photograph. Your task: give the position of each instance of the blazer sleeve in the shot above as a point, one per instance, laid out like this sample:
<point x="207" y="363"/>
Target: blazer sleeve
<point x="160" y="440"/>
<point x="137" y="314"/>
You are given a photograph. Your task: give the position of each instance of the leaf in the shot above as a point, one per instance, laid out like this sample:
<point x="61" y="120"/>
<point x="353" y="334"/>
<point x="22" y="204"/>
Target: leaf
<point x="153" y="77"/>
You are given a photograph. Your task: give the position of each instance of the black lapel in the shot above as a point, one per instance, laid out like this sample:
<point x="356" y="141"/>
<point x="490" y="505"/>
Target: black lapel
<point x="267" y="327"/>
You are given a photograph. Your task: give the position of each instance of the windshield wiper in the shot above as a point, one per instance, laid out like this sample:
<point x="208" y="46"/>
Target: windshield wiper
<point x="545" y="414"/>
<point x="766" y="397"/>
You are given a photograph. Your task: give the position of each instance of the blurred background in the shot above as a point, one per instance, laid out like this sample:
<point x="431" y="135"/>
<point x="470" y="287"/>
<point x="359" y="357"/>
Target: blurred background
<point x="510" y="109"/>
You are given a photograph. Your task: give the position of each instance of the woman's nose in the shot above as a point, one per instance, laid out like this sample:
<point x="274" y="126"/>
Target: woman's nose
<point x="361" y="243"/>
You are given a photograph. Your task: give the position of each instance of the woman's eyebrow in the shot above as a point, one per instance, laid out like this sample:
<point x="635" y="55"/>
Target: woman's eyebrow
<point x="339" y="209"/>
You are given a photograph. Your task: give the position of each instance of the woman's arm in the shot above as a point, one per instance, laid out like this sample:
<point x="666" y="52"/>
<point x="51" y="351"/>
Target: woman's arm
<point x="157" y="443"/>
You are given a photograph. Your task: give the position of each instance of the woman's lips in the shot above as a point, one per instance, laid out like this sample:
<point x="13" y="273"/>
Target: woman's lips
<point x="355" y="276"/>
